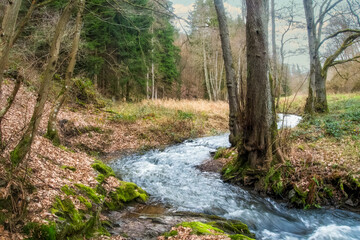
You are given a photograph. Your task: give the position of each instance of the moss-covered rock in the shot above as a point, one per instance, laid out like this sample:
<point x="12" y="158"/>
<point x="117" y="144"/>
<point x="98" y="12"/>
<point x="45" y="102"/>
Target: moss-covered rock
<point x="232" y="228"/>
<point x="90" y="193"/>
<point x="199" y="228"/>
<point x="76" y="224"/>
<point x="68" y="190"/>
<point x="125" y="193"/>
<point x="104" y="170"/>
<point x="37" y="231"/>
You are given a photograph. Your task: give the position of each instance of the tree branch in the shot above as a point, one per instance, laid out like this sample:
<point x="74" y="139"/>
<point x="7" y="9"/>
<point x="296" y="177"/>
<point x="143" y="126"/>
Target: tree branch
<point x="357" y="31"/>
<point x="330" y="61"/>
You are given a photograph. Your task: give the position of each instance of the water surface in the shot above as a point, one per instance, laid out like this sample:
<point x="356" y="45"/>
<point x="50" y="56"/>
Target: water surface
<point x="171" y="178"/>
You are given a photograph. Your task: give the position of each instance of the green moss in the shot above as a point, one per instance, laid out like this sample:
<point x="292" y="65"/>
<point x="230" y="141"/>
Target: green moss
<point x="219" y="153"/>
<point x="36" y="231"/>
<point x="125" y="193"/>
<point x="19" y="152"/>
<point x="90" y="193"/>
<point x="200" y="228"/>
<point x="240" y="237"/>
<point x="298" y="197"/>
<point x="68" y="168"/>
<point x="232" y="226"/>
<point x="3" y="217"/>
<point x="170" y="234"/>
<point x="74" y="224"/>
<point x="100" y="178"/>
<point x="53" y="136"/>
<point x="67" y="190"/>
<point x="85" y="202"/>
<point x="103" y="168"/>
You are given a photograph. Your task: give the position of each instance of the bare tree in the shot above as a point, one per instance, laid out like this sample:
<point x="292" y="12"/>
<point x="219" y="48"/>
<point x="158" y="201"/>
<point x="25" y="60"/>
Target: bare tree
<point x="52" y="132"/>
<point x="23" y="147"/>
<point x="317" y="99"/>
<point x="7" y="34"/>
<point x="234" y="114"/>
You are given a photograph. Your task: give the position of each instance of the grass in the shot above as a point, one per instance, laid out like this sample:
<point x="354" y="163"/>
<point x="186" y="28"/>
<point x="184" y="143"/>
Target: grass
<point x="170" y="109"/>
<point x="173" y="119"/>
<point x="337" y="103"/>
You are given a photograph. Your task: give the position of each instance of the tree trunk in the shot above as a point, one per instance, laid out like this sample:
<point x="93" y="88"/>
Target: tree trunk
<point x="316" y="101"/>
<point x="260" y="130"/>
<point x="52" y="131"/>
<point x="7" y="35"/>
<point x="311" y="31"/>
<point x="231" y="83"/>
<point x="206" y="74"/>
<point x="152" y="65"/>
<point x="276" y="90"/>
<point x="321" y="105"/>
<point x="23" y="147"/>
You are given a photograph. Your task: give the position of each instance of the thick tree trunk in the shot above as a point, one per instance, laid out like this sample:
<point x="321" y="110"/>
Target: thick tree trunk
<point x="256" y="152"/>
<point x="231" y="83"/>
<point x="23" y="147"/>
<point x="7" y="35"/>
<point x="52" y="131"/>
<point x="321" y="105"/>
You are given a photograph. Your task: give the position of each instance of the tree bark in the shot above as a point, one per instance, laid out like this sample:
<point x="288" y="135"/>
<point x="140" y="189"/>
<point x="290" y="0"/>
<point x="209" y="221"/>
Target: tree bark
<point x="206" y="74"/>
<point x="7" y="35"/>
<point x="52" y="131"/>
<point x="276" y="90"/>
<point x="260" y="130"/>
<point x="311" y="32"/>
<point x="23" y="147"/>
<point x="231" y="83"/>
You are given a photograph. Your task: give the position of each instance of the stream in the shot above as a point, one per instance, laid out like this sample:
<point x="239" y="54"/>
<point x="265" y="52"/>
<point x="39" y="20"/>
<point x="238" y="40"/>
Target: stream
<point x="170" y="176"/>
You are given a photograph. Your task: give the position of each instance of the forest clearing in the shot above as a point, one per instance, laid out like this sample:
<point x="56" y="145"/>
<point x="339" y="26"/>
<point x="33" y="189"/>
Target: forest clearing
<point x="179" y="120"/>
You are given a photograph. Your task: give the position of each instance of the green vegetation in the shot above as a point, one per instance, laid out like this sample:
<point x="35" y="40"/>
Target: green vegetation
<point x="103" y="169"/>
<point x="199" y="228"/>
<point x="40" y="232"/>
<point x="125" y="193"/>
<point x="73" y="223"/>
<point x="231" y="228"/>
<point x="68" y="168"/>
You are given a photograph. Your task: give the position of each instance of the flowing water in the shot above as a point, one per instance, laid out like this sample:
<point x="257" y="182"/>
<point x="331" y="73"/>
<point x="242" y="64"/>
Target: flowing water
<point x="170" y="176"/>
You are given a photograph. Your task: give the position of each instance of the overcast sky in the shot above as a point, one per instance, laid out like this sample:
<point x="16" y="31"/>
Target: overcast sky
<point x="233" y="7"/>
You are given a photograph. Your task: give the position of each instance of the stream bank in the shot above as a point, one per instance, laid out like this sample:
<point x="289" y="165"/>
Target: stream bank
<point x="170" y="177"/>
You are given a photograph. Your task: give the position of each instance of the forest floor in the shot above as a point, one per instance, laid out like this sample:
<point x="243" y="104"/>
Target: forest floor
<point x="322" y="167"/>
<point x="88" y="133"/>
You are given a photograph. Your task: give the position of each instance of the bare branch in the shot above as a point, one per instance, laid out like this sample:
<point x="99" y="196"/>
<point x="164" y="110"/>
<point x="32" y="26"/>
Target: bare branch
<point x="337" y="33"/>
<point x="353" y="12"/>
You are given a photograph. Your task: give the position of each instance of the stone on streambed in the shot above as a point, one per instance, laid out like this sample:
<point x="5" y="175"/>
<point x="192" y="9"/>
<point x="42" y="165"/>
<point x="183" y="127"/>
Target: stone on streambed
<point x="147" y="222"/>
